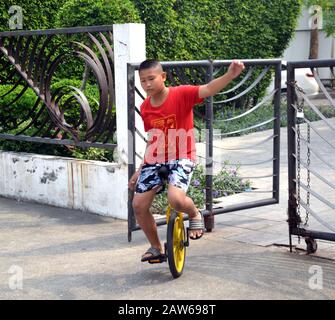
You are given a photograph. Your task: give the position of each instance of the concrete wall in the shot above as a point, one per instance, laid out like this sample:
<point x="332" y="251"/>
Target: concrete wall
<point x="93" y="186"/>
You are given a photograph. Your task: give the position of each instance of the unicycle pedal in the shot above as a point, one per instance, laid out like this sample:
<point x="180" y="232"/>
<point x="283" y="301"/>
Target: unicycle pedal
<point x="162" y="258"/>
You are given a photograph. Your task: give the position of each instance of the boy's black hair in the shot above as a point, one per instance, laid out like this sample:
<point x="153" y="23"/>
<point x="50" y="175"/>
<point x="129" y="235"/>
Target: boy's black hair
<point x="149" y="63"/>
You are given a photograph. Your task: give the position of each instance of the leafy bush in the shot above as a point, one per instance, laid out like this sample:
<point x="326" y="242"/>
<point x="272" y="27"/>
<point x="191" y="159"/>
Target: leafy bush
<point x="224" y="29"/>
<point x="163" y="38"/>
<point x="35" y="15"/>
<point x="13" y="113"/>
<point x="76" y="13"/>
<point x="225" y="182"/>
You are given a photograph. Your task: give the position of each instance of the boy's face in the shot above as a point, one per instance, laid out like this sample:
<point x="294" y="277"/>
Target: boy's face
<point x="152" y="80"/>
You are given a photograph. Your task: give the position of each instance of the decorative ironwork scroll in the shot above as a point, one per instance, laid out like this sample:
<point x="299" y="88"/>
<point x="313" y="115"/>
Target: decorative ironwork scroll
<point x="36" y="62"/>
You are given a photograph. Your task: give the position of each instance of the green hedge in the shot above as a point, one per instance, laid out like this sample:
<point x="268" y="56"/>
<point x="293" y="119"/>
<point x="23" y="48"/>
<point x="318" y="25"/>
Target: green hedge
<point x="96" y="12"/>
<point x="223" y="29"/>
<point x="177" y="29"/>
<point x="163" y="36"/>
<point x="35" y="15"/>
<point x="75" y="13"/>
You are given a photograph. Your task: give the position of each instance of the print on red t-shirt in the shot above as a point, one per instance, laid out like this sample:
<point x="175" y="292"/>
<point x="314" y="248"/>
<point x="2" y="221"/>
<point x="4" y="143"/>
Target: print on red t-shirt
<point x="170" y="125"/>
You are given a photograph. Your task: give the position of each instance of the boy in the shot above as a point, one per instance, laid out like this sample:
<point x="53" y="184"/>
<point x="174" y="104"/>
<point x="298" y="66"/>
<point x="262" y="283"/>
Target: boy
<point x="167" y="113"/>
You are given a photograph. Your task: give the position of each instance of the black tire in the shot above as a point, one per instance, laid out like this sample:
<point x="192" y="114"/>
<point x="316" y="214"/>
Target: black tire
<point x="176" y="250"/>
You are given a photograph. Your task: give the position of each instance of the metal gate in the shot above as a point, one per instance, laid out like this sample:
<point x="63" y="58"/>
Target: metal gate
<point x="242" y="94"/>
<point x="311" y="146"/>
<point x="29" y="61"/>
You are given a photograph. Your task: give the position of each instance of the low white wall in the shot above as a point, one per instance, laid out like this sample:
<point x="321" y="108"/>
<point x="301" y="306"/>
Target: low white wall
<point x="92" y="186"/>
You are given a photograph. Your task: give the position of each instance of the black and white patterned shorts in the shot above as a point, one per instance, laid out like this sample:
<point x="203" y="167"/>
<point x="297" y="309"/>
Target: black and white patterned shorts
<point x="180" y="174"/>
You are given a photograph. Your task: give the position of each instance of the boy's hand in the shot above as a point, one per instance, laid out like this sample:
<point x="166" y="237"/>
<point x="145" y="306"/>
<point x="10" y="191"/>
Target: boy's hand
<point x="235" y="68"/>
<point x="133" y="180"/>
<point x="216" y="85"/>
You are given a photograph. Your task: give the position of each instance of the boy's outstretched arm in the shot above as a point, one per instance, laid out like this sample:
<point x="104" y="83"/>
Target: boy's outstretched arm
<point x="216" y="85"/>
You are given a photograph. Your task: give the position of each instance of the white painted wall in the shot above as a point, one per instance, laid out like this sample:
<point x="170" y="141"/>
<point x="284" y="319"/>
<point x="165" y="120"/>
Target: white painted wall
<point x="92" y="186"/>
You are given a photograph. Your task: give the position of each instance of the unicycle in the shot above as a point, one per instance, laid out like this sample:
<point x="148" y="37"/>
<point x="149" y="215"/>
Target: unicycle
<point x="176" y="236"/>
<point x="176" y="242"/>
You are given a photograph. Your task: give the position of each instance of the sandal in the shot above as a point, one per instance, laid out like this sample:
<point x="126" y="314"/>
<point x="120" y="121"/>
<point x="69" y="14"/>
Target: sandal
<point x="197" y="224"/>
<point x="155" y="256"/>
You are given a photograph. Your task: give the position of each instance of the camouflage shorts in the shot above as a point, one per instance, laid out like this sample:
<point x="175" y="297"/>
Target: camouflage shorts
<point x="180" y="174"/>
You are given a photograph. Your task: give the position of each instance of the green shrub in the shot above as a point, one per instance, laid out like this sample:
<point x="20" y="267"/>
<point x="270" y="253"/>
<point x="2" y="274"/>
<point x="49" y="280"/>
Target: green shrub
<point x="223" y="29"/>
<point x="76" y="13"/>
<point x="163" y="37"/>
<point x="11" y="115"/>
<point x="35" y="15"/>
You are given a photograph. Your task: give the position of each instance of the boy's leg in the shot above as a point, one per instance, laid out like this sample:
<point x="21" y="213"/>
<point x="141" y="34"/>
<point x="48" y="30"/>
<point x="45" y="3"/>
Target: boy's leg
<point x="180" y="202"/>
<point x="141" y="206"/>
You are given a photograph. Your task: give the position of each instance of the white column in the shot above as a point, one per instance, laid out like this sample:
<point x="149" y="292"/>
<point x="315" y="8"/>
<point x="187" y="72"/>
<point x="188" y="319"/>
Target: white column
<point x="129" y="46"/>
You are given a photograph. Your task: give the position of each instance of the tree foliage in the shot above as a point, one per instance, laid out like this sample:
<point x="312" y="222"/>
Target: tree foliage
<point x="76" y="13"/>
<point x="223" y="29"/>
<point x="35" y="15"/>
<point x="179" y="29"/>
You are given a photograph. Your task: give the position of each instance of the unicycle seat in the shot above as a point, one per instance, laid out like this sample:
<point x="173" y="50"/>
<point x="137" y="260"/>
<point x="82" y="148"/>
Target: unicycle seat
<point x="163" y="172"/>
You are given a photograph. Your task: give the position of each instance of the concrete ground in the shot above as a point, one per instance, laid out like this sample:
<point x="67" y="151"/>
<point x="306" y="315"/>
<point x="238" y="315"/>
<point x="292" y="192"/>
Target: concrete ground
<point x="53" y="253"/>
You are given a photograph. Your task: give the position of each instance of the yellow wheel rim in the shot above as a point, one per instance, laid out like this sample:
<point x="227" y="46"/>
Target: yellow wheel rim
<point x="178" y="243"/>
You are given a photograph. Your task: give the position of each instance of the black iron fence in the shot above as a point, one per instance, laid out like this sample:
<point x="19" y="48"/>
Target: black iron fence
<point x="258" y="159"/>
<point x="43" y="65"/>
<point x="311" y="156"/>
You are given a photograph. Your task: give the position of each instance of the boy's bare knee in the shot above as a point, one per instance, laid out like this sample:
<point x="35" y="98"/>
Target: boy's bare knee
<point x="140" y="207"/>
<point x="177" y="202"/>
<point x="137" y="206"/>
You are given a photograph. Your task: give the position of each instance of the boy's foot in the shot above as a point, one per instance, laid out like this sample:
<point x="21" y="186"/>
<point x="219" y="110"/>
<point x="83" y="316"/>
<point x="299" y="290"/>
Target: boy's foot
<point x="196" y="227"/>
<point x="152" y="254"/>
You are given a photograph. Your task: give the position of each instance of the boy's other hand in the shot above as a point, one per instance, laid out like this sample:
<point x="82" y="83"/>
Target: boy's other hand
<point x="235" y="68"/>
<point x="133" y="180"/>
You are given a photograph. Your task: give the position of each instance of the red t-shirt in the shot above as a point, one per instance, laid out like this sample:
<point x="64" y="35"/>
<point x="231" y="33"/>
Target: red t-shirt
<point x="170" y="125"/>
